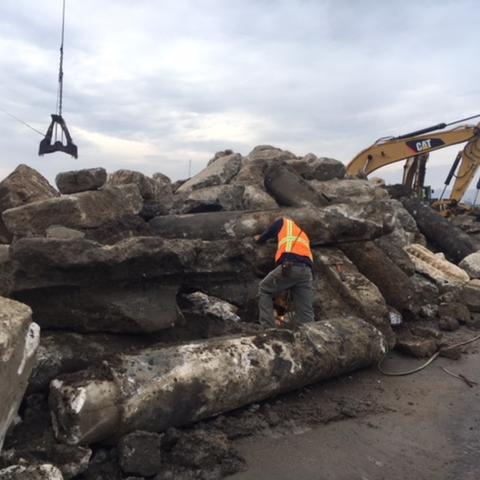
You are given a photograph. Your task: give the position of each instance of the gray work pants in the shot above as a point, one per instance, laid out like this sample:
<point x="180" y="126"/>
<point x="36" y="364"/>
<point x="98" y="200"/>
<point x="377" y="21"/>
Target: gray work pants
<point x="299" y="281"/>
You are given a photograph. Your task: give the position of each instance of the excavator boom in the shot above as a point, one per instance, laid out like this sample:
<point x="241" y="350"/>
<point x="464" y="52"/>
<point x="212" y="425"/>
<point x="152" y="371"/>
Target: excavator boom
<point x="394" y="150"/>
<point x="467" y="170"/>
<point x="415" y="148"/>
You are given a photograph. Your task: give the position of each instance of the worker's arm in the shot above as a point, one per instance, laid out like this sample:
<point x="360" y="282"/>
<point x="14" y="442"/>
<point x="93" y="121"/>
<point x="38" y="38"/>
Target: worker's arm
<point x="271" y="232"/>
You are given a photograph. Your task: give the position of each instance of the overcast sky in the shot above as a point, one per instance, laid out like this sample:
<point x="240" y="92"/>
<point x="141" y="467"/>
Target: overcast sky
<point x="151" y="84"/>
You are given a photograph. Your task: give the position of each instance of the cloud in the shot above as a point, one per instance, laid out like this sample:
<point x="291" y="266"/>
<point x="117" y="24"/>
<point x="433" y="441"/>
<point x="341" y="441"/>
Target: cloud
<point x="155" y="85"/>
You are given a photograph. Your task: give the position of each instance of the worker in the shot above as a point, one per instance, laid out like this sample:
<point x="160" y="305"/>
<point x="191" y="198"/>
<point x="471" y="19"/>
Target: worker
<point x="293" y="270"/>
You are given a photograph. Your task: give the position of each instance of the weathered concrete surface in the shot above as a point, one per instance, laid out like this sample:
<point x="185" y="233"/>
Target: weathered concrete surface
<point x="57" y="231"/>
<point x="42" y="262"/>
<point x="390" y="279"/>
<point x="6" y="271"/>
<point x="252" y="170"/>
<point x="81" y="180"/>
<point x="132" y="308"/>
<point x="396" y="253"/>
<point x="34" y="472"/>
<point x="435" y="267"/>
<point x="32" y="442"/>
<point x="84" y="209"/>
<point x="354" y="289"/>
<point x="405" y="229"/>
<point x="24" y="185"/>
<point x="255" y="198"/>
<point x="213" y="307"/>
<point x="65" y="352"/>
<point x="471" y="264"/>
<point x="354" y="190"/>
<point x="156" y="193"/>
<point x="440" y="232"/>
<point x="311" y="167"/>
<point x="218" y="172"/>
<point x="159" y="388"/>
<point x="470" y="295"/>
<point x="289" y="189"/>
<point x="114" y="231"/>
<point x="335" y="223"/>
<point x="19" y="339"/>
<point x="209" y="199"/>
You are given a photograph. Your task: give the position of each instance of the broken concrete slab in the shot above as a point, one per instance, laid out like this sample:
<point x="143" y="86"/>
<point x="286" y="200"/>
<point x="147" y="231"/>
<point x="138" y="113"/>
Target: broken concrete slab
<point x="157" y="193"/>
<point x="405" y="229"/>
<point x="209" y="199"/>
<point x="440" y="232"/>
<point x="344" y="191"/>
<point x="255" y="198"/>
<point x="19" y="339"/>
<point x="58" y="231"/>
<point x="418" y="347"/>
<point x="144" y="307"/>
<point x="85" y="210"/>
<point x="335" y="223"/>
<point x="76" y="181"/>
<point x="252" y="170"/>
<point x="454" y="310"/>
<point x="470" y="295"/>
<point x="6" y="271"/>
<point x="435" y="267"/>
<point x="396" y="253"/>
<point x="218" y="172"/>
<point x="428" y="294"/>
<point x="213" y="307"/>
<point x="114" y="231"/>
<point x="311" y="167"/>
<point x="24" y="185"/>
<point x="32" y="472"/>
<point x="354" y="289"/>
<point x="159" y="388"/>
<point x="390" y="279"/>
<point x="471" y="264"/>
<point x="42" y="262"/>
<point x="65" y="352"/>
<point x="289" y="189"/>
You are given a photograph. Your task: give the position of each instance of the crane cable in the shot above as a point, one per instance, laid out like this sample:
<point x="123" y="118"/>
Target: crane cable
<point x="60" y="72"/>
<point x="60" y="86"/>
<point x="21" y="121"/>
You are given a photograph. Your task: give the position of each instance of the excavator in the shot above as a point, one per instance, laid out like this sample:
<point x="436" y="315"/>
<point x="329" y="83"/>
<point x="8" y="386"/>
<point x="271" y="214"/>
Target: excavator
<point x="415" y="148"/>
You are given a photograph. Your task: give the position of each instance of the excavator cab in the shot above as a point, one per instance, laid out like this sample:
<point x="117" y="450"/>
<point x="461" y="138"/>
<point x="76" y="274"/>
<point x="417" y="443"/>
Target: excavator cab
<point x="47" y="146"/>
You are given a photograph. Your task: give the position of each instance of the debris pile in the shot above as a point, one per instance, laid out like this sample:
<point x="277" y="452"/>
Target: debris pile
<point x="145" y="292"/>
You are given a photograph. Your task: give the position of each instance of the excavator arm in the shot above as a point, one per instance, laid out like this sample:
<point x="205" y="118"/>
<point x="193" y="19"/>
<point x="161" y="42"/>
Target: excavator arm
<point x="470" y="161"/>
<point x="415" y="148"/>
<point x="394" y="150"/>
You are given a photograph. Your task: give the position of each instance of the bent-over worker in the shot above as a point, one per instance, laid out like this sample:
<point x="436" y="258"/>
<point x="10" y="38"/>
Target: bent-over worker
<point x="293" y="270"/>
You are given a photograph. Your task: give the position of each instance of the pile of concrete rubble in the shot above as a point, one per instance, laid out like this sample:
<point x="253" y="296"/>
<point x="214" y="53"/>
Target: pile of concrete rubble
<point x="128" y="305"/>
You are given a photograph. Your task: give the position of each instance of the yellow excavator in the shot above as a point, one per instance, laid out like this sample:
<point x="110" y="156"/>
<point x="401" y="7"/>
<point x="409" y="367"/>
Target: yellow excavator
<point x="415" y="147"/>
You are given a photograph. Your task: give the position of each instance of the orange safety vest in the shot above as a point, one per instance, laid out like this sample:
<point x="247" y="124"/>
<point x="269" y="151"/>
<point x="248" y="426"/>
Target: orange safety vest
<point x="292" y="239"/>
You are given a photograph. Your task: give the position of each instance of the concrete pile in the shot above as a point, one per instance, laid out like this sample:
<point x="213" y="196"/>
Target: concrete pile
<point x="146" y="294"/>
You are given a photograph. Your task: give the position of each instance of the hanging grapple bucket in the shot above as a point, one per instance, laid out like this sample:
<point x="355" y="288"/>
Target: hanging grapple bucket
<point x="46" y="145"/>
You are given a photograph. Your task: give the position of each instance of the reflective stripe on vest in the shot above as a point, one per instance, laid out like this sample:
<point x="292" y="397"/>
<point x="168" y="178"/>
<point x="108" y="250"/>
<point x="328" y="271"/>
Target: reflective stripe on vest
<point x="291" y="239"/>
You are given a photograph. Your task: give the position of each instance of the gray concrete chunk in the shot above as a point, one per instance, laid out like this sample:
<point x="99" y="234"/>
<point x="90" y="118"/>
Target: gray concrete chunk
<point x="19" y="339"/>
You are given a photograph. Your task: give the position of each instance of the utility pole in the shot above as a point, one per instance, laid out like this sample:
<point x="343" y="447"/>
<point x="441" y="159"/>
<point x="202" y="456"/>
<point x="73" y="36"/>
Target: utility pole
<point x="189" y="168"/>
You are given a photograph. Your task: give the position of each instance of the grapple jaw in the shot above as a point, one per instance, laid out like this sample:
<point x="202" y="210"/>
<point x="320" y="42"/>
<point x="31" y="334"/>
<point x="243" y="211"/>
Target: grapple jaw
<point x="46" y="145"/>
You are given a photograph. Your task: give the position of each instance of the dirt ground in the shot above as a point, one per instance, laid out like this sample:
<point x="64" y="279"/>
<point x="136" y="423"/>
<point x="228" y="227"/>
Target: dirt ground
<point x="368" y="426"/>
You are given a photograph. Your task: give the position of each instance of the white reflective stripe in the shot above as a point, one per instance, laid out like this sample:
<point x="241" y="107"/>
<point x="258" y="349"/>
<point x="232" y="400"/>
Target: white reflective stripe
<point x="292" y="239"/>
